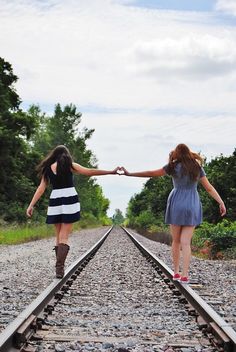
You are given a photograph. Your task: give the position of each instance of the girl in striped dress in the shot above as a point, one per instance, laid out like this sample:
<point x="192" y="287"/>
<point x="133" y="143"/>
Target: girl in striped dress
<point x="64" y="207"/>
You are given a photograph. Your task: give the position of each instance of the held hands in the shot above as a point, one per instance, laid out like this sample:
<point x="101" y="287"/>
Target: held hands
<point x="120" y="170"/>
<point x="124" y="171"/>
<point x="116" y="171"/>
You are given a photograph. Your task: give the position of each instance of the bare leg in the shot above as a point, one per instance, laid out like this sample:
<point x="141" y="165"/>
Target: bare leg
<point x="65" y="230"/>
<point x="185" y="240"/>
<point x="58" y="229"/>
<point x="176" y="234"/>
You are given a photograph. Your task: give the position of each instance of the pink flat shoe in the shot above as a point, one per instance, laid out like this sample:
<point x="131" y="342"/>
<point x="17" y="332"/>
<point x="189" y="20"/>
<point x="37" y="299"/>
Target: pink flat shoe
<point x="176" y="277"/>
<point x="184" y="280"/>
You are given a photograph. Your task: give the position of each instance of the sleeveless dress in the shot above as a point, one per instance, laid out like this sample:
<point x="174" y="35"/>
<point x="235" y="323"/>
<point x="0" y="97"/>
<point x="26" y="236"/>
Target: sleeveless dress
<point x="183" y="205"/>
<point x="64" y="206"/>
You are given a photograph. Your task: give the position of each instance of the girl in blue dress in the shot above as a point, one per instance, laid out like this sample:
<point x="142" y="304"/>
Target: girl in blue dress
<point x="64" y="207"/>
<point x="184" y="209"/>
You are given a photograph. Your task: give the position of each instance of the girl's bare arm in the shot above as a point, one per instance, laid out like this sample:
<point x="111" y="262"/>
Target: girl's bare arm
<point x="213" y="193"/>
<point x="151" y="173"/>
<point x="92" y="172"/>
<point x="38" y="193"/>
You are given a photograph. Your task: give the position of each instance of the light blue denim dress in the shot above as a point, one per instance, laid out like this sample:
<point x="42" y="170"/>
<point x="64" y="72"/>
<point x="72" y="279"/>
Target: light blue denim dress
<point x="183" y="205"/>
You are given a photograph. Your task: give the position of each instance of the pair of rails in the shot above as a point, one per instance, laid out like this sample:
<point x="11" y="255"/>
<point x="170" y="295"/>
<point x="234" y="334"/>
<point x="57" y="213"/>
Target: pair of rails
<point x="14" y="338"/>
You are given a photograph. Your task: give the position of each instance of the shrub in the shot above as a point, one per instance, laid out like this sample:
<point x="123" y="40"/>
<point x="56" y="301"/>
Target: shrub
<point x="145" y="220"/>
<point x="216" y="240"/>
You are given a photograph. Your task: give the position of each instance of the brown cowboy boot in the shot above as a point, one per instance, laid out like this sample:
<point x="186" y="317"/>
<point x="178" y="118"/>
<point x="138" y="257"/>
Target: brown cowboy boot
<point x="55" y="249"/>
<point x="62" y="252"/>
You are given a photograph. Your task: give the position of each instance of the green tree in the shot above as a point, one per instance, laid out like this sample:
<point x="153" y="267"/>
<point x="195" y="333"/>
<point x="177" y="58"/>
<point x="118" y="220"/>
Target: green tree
<point x="63" y="128"/>
<point x="148" y="206"/>
<point x="16" y="128"/>
<point x="118" y="217"/>
<point x="221" y="172"/>
<point x="25" y="138"/>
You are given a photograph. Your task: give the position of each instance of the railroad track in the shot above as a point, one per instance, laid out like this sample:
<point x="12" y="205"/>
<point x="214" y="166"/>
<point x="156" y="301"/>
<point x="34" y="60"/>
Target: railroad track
<point x="114" y="298"/>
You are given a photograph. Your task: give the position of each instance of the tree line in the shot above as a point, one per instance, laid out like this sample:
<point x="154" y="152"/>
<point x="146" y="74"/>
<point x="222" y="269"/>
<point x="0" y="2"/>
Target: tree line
<point x="25" y="138"/>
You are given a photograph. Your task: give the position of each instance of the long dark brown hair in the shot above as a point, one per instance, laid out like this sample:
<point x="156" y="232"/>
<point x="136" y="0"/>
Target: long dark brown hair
<point x="190" y="161"/>
<point x="64" y="160"/>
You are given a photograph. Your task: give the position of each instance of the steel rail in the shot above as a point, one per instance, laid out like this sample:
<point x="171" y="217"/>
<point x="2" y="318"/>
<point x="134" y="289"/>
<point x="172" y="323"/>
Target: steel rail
<point x="212" y="318"/>
<point x="8" y="336"/>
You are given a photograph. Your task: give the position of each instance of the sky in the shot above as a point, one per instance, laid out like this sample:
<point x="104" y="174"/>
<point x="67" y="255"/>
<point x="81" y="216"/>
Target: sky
<point x="146" y="75"/>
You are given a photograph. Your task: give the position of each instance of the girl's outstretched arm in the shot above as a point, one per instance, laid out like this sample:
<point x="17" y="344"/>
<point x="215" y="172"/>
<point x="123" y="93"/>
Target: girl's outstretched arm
<point x="93" y="172"/>
<point x="38" y="193"/>
<point x="213" y="193"/>
<point x="151" y="173"/>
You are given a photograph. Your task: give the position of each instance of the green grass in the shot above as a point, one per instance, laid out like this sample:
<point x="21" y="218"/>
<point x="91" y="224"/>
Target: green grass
<point x="31" y="232"/>
<point x="21" y="234"/>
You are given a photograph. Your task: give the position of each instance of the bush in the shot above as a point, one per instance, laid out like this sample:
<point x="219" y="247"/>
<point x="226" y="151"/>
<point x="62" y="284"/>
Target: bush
<point x="216" y="240"/>
<point x="105" y="221"/>
<point x="145" y="219"/>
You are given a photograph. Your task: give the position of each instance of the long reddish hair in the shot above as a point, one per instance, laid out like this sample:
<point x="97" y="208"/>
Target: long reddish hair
<point x="190" y="161"/>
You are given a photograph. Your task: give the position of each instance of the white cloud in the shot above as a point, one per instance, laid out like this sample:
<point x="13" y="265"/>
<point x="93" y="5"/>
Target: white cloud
<point x="227" y="6"/>
<point x="191" y="56"/>
<point x="94" y="52"/>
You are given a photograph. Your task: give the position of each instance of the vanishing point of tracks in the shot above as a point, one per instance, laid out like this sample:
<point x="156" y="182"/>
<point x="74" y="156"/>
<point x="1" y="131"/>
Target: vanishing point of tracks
<point x="118" y="297"/>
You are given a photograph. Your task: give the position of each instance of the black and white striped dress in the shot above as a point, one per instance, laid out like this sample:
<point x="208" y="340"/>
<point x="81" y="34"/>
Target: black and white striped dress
<point x="64" y="206"/>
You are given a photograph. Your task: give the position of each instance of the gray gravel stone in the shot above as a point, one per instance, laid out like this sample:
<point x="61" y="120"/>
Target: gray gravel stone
<point x="59" y="348"/>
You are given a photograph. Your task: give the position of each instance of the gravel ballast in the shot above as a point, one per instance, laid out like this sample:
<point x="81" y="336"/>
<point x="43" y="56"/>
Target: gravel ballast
<point x="28" y="268"/>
